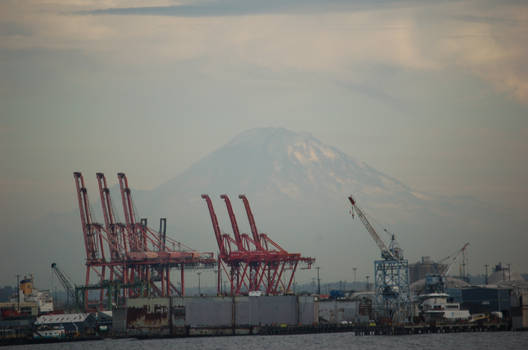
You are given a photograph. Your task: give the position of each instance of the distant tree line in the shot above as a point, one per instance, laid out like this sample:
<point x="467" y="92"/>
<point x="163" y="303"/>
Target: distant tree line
<point x="6" y="293"/>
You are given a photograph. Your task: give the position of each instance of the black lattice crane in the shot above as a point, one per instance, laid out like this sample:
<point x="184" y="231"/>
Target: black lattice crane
<point x="66" y="283"/>
<point x="391" y="274"/>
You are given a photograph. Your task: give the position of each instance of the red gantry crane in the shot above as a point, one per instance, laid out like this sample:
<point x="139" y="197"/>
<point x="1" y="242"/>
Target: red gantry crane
<point x="254" y="263"/>
<point x="141" y="261"/>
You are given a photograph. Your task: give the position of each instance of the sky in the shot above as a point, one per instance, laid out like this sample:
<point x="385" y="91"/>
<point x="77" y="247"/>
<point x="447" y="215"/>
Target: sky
<point x="433" y="93"/>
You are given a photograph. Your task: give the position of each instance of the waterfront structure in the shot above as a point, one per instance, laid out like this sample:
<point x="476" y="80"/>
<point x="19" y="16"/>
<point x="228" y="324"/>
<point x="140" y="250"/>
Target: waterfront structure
<point x="221" y="314"/>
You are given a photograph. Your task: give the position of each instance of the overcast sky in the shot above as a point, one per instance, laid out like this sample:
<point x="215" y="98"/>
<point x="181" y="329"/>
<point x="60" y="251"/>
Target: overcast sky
<point x="433" y="93"/>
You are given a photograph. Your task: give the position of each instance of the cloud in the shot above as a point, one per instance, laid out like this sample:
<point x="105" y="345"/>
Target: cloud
<point x="214" y="8"/>
<point x="14" y="28"/>
<point x="485" y="41"/>
<point x="312" y="36"/>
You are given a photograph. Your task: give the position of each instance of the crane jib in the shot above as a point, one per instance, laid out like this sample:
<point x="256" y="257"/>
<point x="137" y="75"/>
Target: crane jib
<point x="385" y="252"/>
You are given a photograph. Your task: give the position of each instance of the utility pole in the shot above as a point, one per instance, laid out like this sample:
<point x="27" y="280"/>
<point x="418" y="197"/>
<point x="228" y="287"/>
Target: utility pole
<point x="465" y="276"/>
<point x="486" y="278"/>
<point x="199" y="290"/>
<point x="219" y="287"/>
<point x="18" y="292"/>
<point x="355" y="269"/>
<point x="509" y="272"/>
<point x="318" y="282"/>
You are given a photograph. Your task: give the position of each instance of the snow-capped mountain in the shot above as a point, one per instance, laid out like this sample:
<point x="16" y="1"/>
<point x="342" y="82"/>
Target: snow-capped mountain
<point x="298" y="188"/>
<point x="296" y="166"/>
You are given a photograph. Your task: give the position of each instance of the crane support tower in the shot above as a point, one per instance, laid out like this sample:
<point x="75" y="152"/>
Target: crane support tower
<point x="391" y="275"/>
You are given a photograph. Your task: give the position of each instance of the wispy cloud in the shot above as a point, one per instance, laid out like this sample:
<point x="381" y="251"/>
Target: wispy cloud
<point x="14" y="28"/>
<point x="483" y="38"/>
<point x="491" y="19"/>
<point x="213" y="8"/>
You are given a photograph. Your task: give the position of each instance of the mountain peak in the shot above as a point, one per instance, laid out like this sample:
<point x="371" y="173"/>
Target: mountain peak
<point x="299" y="146"/>
<point x="294" y="165"/>
<point x="270" y="138"/>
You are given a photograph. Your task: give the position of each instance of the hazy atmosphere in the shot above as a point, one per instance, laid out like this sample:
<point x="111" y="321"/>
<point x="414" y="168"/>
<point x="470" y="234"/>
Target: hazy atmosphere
<point x="420" y="108"/>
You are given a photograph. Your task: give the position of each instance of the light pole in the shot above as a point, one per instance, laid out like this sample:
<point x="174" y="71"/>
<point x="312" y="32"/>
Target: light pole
<point x="199" y="290"/>
<point x="318" y="282"/>
<point x="18" y="292"/>
<point x="355" y="269"/>
<point x="368" y="285"/>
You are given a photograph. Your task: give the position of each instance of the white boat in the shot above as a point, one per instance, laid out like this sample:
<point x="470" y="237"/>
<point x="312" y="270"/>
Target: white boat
<point x="434" y="306"/>
<point x="28" y="293"/>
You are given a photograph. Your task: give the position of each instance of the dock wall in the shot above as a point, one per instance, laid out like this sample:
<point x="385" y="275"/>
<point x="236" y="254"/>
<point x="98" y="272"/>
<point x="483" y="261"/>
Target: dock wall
<point x="177" y="315"/>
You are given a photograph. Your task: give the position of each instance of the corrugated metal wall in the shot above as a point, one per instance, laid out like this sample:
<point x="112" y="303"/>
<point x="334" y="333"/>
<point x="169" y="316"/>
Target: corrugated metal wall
<point x="337" y="311"/>
<point x="248" y="311"/>
<point x="268" y="310"/>
<point x="119" y="322"/>
<point x="148" y="315"/>
<point x="164" y="315"/>
<point x="208" y="311"/>
<point x="308" y="310"/>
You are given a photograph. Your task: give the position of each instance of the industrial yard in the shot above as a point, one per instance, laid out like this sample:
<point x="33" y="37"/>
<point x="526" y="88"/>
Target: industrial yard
<point x="135" y="286"/>
<point x="232" y="174"/>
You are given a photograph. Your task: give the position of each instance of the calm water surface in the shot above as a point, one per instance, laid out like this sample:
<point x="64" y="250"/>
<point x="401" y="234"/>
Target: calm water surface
<point x="334" y="341"/>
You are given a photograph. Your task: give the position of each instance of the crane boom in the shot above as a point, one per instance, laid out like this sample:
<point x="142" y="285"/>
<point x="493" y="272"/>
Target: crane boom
<point x="109" y="217"/>
<point x="89" y="229"/>
<point x="136" y="232"/>
<point x="252" y="225"/>
<point x="453" y="259"/>
<point x="236" y="231"/>
<point x="385" y="252"/>
<point x="216" y="226"/>
<point x="65" y="281"/>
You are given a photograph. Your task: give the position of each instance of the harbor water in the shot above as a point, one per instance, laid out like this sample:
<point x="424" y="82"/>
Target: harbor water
<point x="334" y="341"/>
